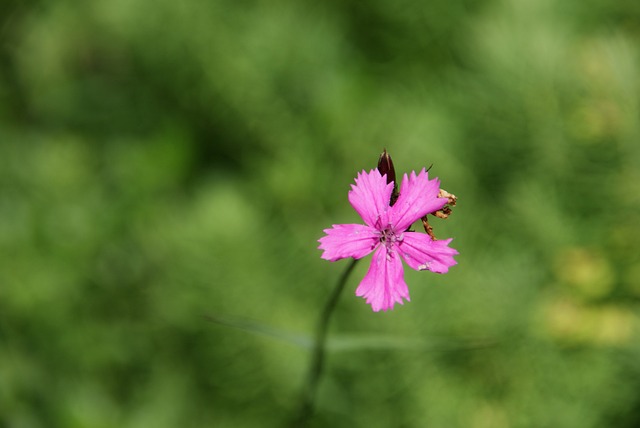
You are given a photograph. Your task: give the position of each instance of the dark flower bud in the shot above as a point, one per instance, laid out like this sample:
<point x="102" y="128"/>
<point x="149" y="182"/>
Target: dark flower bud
<point x="385" y="167"/>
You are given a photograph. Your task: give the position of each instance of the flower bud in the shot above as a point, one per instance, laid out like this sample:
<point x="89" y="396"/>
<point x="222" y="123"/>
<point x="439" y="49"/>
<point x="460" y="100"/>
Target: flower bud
<point x="385" y="167"/>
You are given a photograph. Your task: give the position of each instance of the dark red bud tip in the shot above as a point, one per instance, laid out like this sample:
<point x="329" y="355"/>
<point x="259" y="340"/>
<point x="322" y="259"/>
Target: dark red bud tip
<point x="385" y="166"/>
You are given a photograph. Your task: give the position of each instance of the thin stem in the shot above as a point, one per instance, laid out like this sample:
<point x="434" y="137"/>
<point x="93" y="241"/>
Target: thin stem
<point x="319" y="349"/>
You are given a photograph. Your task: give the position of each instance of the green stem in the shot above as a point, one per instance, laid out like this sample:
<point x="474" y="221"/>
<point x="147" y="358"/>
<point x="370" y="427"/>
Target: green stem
<point x="319" y="350"/>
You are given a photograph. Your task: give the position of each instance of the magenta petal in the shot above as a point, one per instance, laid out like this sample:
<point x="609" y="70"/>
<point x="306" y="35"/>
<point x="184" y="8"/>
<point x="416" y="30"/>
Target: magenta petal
<point x="384" y="285"/>
<point x="348" y="240"/>
<point x="420" y="252"/>
<point x="370" y="197"/>
<point x="418" y="197"/>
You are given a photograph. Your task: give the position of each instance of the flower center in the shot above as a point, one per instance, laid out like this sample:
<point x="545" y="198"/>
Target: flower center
<point x="389" y="237"/>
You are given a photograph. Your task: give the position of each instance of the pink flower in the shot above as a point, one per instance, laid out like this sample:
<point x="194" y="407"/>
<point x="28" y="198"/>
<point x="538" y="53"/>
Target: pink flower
<point x="385" y="234"/>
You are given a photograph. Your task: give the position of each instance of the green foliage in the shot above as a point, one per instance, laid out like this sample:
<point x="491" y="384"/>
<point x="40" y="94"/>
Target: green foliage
<point x="164" y="161"/>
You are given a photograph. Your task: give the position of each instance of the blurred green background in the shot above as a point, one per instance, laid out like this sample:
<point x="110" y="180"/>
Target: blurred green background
<point x="161" y="161"/>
